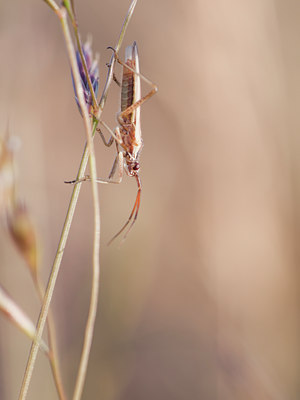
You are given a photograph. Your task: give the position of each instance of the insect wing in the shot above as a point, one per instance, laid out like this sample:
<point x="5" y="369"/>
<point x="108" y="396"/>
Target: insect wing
<point x="131" y="89"/>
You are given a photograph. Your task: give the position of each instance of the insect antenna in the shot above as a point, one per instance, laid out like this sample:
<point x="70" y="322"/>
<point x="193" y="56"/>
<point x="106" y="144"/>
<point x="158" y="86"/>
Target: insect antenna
<point x="133" y="215"/>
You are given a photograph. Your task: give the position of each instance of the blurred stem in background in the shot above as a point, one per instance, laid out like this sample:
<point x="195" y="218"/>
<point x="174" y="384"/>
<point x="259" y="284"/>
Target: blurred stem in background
<point x="22" y="231"/>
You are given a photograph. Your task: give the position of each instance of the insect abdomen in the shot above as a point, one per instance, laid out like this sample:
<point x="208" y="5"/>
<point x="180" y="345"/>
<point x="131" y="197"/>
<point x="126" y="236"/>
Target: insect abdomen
<point x="127" y="97"/>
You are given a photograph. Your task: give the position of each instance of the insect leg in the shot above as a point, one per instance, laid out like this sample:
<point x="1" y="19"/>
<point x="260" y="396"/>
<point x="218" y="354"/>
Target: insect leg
<point x="118" y="165"/>
<point x="140" y="101"/>
<point x="133" y="215"/>
<point x="135" y="105"/>
<point x="154" y="86"/>
<point x="111" y="139"/>
<point x="144" y="98"/>
<point x="115" y="134"/>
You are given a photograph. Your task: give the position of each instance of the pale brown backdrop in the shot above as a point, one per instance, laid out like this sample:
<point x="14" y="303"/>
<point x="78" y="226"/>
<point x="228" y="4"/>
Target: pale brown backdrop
<point x="201" y="301"/>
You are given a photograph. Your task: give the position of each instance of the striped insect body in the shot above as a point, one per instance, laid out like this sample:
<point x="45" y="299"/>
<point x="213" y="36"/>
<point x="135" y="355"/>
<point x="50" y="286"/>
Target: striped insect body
<point x="130" y="123"/>
<point x="127" y="136"/>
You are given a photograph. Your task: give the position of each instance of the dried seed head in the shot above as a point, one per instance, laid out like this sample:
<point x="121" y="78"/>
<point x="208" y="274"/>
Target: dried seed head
<point x="23" y="233"/>
<point x="8" y="146"/>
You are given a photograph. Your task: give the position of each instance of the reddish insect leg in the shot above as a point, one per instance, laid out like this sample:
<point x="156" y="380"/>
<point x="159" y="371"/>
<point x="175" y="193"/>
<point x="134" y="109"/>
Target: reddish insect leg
<point x="133" y="215"/>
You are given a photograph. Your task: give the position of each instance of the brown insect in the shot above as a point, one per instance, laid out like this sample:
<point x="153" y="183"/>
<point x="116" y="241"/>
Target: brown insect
<point x="127" y="136"/>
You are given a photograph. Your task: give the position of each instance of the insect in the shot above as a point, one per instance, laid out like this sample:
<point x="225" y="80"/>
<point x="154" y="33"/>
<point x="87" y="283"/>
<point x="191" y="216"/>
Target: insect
<point x="127" y="136"/>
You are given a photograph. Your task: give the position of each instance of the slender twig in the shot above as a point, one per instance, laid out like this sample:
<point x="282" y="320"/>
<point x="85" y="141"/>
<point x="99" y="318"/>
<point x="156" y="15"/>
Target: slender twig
<point x="96" y="245"/>
<point x="70" y="215"/>
<point x="84" y="357"/>
<point x="53" y="5"/>
<point x="72" y="15"/>
<point x="53" y="354"/>
<point x="110" y="73"/>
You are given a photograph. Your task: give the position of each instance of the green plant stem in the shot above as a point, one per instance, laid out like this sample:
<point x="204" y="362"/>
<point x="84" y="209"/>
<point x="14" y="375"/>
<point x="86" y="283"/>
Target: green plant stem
<point x="53" y="5"/>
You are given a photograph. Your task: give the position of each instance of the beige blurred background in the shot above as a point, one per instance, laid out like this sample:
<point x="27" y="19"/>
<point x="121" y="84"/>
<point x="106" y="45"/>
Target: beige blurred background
<point x="201" y="301"/>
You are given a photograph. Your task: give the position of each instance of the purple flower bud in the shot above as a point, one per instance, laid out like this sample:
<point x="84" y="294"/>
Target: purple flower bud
<point x="92" y="67"/>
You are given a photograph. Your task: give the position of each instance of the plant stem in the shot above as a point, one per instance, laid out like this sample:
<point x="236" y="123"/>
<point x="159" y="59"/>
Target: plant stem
<point x="109" y="76"/>
<point x="96" y="243"/>
<point x="73" y="18"/>
<point x="88" y="334"/>
<point x="89" y="331"/>
<point x="53" y="5"/>
<point x="69" y="219"/>
<point x="53" y="354"/>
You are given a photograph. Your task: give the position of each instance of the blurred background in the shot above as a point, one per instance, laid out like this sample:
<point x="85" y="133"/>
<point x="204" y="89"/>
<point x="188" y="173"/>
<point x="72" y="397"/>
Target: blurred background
<point x="201" y="301"/>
